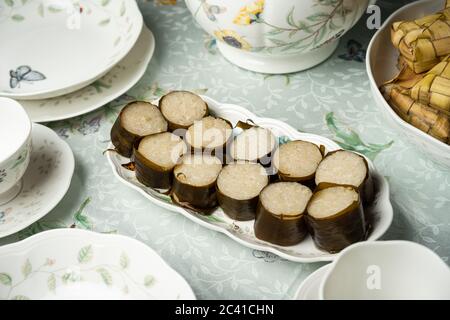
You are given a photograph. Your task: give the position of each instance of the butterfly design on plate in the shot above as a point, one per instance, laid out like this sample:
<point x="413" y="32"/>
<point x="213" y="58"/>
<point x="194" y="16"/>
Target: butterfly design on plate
<point x="89" y="126"/>
<point x="211" y="10"/>
<point x="24" y="73"/>
<point x="354" y="52"/>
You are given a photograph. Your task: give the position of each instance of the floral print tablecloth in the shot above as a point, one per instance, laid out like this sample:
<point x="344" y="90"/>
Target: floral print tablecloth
<point x="332" y="99"/>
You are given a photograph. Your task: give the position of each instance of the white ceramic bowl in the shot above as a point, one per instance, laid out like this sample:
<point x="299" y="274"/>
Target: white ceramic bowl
<point x="53" y="47"/>
<point x="387" y="270"/>
<point x="15" y="147"/>
<point x="277" y="36"/>
<point x="381" y="64"/>
<point x="77" y="264"/>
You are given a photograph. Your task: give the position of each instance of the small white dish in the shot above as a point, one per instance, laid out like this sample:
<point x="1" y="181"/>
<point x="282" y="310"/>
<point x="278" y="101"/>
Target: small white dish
<point x="53" y="47"/>
<point x="77" y="264"/>
<point x="381" y="65"/>
<point x="309" y="289"/>
<point x="15" y="147"/>
<point x="45" y="182"/>
<point x="387" y="270"/>
<point x="242" y="231"/>
<point x="115" y="83"/>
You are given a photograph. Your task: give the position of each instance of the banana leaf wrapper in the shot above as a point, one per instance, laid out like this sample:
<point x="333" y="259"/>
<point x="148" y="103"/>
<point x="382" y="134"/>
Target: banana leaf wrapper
<point x="308" y="180"/>
<point x="337" y="232"/>
<point x="281" y="230"/>
<point x="366" y="189"/>
<point x="220" y="152"/>
<point x="179" y="129"/>
<point x="201" y="197"/>
<point x="264" y="160"/>
<point x="240" y="210"/>
<point x="122" y="139"/>
<point x="151" y="174"/>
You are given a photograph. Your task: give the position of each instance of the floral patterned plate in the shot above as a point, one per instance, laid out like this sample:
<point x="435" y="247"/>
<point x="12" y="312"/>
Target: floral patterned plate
<point x="242" y="232"/>
<point x="50" y="48"/>
<point x="115" y="83"/>
<point x="45" y="182"/>
<point x="77" y="264"/>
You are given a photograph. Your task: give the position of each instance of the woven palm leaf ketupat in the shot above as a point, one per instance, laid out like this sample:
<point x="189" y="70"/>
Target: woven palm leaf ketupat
<point x="431" y="121"/>
<point x="434" y="88"/>
<point x="405" y="79"/>
<point x="424" y="42"/>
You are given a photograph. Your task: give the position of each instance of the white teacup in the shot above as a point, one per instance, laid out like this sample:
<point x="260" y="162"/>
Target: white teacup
<point x="15" y="148"/>
<point x="387" y="270"/>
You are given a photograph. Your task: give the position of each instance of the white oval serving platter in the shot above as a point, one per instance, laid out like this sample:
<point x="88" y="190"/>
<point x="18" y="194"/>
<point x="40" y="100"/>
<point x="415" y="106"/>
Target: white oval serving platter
<point x="112" y="85"/>
<point x="381" y="65"/>
<point x="53" y="47"/>
<point x="242" y="232"/>
<point x="78" y="264"/>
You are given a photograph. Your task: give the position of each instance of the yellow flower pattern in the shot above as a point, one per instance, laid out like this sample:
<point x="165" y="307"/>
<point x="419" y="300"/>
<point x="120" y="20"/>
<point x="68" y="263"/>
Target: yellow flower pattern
<point x="250" y="13"/>
<point x="233" y="39"/>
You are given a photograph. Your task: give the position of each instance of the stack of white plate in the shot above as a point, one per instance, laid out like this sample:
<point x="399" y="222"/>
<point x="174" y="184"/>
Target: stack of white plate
<point x="63" y="58"/>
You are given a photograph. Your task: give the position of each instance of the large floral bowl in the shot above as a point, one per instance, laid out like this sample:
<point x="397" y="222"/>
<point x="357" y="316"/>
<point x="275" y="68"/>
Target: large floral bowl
<point x="277" y="36"/>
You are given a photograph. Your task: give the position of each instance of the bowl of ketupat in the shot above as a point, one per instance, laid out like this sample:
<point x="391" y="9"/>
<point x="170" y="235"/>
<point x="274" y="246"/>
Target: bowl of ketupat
<point x="408" y="63"/>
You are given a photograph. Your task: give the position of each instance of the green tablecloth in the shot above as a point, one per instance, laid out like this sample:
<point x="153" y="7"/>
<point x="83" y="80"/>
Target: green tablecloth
<point x="332" y="99"/>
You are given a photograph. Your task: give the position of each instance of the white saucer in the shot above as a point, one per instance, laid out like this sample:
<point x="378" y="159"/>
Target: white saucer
<point x="44" y="184"/>
<point x="309" y="289"/>
<point x="243" y="231"/>
<point x="118" y="81"/>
